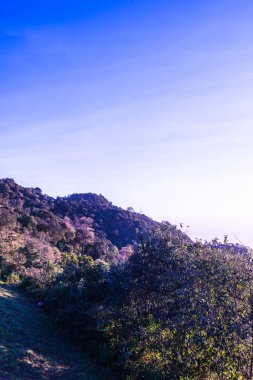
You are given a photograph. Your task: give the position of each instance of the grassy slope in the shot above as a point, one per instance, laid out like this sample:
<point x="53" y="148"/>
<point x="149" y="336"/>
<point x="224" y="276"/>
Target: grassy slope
<point x="31" y="349"/>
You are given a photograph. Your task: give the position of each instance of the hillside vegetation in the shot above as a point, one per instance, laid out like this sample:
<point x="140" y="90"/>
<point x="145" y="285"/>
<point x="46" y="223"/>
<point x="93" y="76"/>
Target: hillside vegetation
<point x="139" y="295"/>
<point x="31" y="349"/>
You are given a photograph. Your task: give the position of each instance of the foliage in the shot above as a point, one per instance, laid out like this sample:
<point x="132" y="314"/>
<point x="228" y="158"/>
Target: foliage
<point x="186" y="313"/>
<point x="174" y="310"/>
<point x="152" y="304"/>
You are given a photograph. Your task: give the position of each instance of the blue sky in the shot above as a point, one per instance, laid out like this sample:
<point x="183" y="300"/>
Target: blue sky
<point x="148" y="102"/>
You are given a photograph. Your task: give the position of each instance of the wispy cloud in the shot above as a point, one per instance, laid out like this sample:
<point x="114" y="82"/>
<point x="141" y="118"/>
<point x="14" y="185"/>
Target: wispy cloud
<point x="150" y="105"/>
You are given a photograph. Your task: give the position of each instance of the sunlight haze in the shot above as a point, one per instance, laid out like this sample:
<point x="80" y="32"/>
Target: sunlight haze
<point x="148" y="102"/>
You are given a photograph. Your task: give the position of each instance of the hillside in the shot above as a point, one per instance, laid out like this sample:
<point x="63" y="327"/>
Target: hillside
<point x="30" y="349"/>
<point x="37" y="211"/>
<point x="139" y="296"/>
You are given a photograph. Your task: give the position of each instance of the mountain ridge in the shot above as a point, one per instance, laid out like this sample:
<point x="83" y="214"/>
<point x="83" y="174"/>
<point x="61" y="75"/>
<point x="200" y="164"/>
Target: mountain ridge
<point x="121" y="227"/>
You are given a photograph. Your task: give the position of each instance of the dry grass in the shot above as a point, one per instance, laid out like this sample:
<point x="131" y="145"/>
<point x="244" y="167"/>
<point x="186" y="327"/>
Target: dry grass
<point x="30" y="348"/>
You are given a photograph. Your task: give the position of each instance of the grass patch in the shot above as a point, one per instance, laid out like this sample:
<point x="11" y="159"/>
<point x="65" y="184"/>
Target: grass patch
<point x="30" y="348"/>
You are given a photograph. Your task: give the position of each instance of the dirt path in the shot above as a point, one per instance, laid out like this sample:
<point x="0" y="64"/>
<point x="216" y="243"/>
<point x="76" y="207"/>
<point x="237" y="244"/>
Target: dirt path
<point x="30" y="348"/>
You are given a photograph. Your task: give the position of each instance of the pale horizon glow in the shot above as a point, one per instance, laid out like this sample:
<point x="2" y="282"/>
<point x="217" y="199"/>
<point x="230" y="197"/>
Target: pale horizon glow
<point x="145" y="101"/>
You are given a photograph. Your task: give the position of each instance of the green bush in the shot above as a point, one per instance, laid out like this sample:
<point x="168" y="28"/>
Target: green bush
<point x="13" y="279"/>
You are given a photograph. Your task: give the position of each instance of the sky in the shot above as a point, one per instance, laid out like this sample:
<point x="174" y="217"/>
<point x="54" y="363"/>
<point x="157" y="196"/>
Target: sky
<point x="148" y="102"/>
